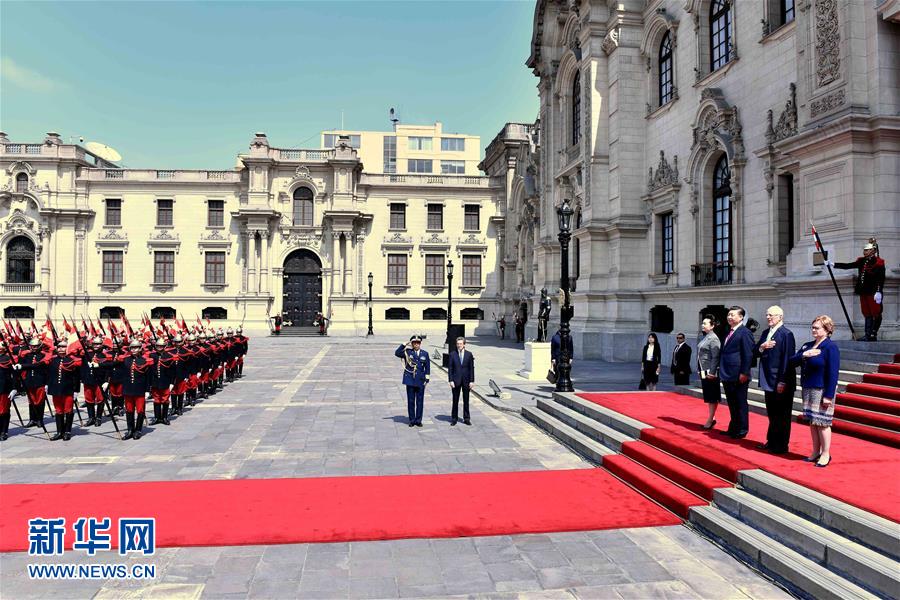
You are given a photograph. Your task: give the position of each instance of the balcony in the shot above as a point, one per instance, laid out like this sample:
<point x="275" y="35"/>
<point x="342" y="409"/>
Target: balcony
<point x="20" y="288"/>
<point x="466" y="181"/>
<point x="151" y="175"/>
<point x="300" y="154"/>
<point x="714" y="273"/>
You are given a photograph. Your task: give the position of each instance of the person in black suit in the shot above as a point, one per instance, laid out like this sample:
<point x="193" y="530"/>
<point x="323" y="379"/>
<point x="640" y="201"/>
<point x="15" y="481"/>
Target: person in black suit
<point x="734" y="372"/>
<point x="651" y="357"/>
<point x="681" y="361"/>
<point x="462" y="378"/>
<point x="777" y="379"/>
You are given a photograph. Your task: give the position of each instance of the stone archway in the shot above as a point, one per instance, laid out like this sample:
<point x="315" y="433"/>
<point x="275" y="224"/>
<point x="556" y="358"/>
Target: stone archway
<point x="302" y="290"/>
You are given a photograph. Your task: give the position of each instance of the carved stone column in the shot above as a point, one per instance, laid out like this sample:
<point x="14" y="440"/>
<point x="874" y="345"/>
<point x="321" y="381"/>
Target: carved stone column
<point x="360" y="263"/>
<point x="333" y="270"/>
<point x="252" y="285"/>
<point x="264" y="263"/>
<point x="349" y="254"/>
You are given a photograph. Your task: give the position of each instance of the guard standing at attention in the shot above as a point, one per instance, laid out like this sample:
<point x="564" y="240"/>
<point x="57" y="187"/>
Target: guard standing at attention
<point x="93" y="376"/>
<point x="135" y="388"/>
<point x="162" y="379"/>
<point x="869" y="286"/>
<point x="6" y="388"/>
<point x="416" y="374"/>
<point x="62" y="385"/>
<point x="34" y="364"/>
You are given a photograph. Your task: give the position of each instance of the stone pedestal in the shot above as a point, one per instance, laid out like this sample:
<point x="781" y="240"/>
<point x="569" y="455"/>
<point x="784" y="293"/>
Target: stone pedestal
<point x="537" y="361"/>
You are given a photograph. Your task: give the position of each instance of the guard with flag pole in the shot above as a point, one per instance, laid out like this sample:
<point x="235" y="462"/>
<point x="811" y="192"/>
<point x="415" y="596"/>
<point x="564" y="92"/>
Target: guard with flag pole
<point x="869" y="286"/>
<point x="34" y="365"/>
<point x="828" y="264"/>
<point x="62" y="385"/>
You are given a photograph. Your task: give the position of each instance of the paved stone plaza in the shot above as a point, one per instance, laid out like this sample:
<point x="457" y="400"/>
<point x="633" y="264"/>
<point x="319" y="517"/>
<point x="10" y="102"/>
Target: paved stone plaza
<point x="315" y="407"/>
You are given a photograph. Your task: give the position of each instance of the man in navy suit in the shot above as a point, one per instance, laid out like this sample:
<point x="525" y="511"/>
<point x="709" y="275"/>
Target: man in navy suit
<point x="777" y="379"/>
<point x="416" y="374"/>
<point x="734" y="371"/>
<point x="462" y="377"/>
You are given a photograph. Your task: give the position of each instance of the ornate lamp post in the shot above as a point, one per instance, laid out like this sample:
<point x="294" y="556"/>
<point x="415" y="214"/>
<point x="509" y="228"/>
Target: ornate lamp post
<point x="449" y="303"/>
<point x="370" y="332"/>
<point x="564" y="379"/>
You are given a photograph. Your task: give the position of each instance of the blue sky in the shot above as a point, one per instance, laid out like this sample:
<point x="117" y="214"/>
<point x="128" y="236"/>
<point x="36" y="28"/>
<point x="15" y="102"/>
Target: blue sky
<point x="186" y="84"/>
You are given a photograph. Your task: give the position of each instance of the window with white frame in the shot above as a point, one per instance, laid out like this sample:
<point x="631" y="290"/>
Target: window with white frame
<point x="453" y="167"/>
<point x="113" y="271"/>
<point x="419" y="143"/>
<point x="397" y="264"/>
<point x="164" y="213"/>
<point x="419" y="165"/>
<point x="453" y="144"/>
<point x="471" y="270"/>
<point x="164" y="267"/>
<point x="434" y="270"/>
<point x="435" y="217"/>
<point x="215" y="268"/>
<point x="398" y="215"/>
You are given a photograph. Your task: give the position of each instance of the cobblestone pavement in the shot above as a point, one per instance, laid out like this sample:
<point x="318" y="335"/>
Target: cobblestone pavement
<point x="313" y="407"/>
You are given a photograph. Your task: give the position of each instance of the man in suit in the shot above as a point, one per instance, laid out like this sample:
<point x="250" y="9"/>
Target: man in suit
<point x="734" y="371"/>
<point x="681" y="361"/>
<point x="556" y="350"/>
<point x="462" y="377"/>
<point x="777" y="379"/>
<point x="416" y="374"/>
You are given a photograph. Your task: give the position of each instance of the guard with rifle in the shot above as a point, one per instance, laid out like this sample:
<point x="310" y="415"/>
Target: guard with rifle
<point x="869" y="286"/>
<point x="162" y="380"/>
<point x="93" y="377"/>
<point x="34" y="366"/>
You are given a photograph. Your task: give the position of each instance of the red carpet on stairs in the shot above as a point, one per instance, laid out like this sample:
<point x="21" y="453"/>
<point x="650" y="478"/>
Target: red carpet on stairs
<point x="659" y="488"/>
<point x="870" y="389"/>
<point x="882" y="379"/>
<point x="890" y="407"/>
<point x="337" y="509"/>
<point x="684" y="474"/>
<point x="862" y="473"/>
<point x="889" y="368"/>
<point x="867" y="417"/>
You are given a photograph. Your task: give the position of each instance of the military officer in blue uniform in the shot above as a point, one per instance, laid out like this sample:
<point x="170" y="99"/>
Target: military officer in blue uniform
<point x="416" y="373"/>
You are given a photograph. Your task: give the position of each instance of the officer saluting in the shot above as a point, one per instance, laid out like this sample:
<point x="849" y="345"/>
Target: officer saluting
<point x="416" y="373"/>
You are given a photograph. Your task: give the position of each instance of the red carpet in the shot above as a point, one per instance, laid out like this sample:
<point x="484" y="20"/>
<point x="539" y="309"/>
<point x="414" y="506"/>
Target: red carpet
<point x="882" y="379"/>
<point x="864" y="432"/>
<point x="684" y="474"/>
<point x="338" y="509"/>
<point x="867" y="417"/>
<point x="890" y="368"/>
<point x="862" y="473"/>
<point x="662" y="490"/>
<point x="879" y="391"/>
<point x="890" y="407"/>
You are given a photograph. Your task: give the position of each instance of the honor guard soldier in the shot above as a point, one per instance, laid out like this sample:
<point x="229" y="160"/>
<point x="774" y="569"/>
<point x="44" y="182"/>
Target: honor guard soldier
<point x="162" y="380"/>
<point x="416" y="374"/>
<point x="869" y="286"/>
<point x="135" y="388"/>
<point x="34" y="365"/>
<point x="204" y="360"/>
<point x="7" y="389"/>
<point x="243" y="346"/>
<point x="117" y="376"/>
<point x="62" y="385"/>
<point x="93" y="376"/>
<point x="183" y="361"/>
<point x="194" y="378"/>
<point x="231" y="354"/>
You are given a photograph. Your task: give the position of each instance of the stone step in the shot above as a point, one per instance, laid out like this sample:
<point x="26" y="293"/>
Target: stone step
<point x="864" y="567"/>
<point x="581" y="444"/>
<point x="801" y="575"/>
<point x="592" y="428"/>
<point x="888" y="346"/>
<point x="610" y="418"/>
<point x="866" y="356"/>
<point x="870" y="530"/>
<point x="859" y="365"/>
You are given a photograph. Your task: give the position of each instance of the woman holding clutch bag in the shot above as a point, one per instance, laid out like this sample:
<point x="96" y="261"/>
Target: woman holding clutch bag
<point x="708" y="362"/>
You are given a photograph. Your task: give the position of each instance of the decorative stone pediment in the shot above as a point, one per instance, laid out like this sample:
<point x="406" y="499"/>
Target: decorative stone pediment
<point x="397" y="242"/>
<point x="302" y="238"/>
<point x="664" y="176"/>
<point x="471" y="243"/>
<point x="112" y="239"/>
<point x="717" y="126"/>
<point x="787" y="121"/>
<point x="163" y="239"/>
<point x="611" y="41"/>
<point x="20" y="166"/>
<point x="434" y="242"/>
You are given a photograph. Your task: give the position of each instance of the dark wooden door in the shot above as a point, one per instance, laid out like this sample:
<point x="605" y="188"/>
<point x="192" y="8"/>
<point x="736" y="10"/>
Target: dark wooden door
<point x="302" y="288"/>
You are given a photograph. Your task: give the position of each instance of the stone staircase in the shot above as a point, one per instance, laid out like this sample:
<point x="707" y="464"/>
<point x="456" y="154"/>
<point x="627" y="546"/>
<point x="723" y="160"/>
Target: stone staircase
<point x="297" y="332"/>
<point x="868" y="399"/>
<point x="816" y="546"/>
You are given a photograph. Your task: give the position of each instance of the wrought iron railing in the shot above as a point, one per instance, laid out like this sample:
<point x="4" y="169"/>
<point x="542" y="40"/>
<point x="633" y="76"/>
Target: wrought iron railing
<point x="713" y="273"/>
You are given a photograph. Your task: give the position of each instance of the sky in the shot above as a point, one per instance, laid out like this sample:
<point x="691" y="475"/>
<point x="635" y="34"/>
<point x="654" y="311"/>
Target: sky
<point x="186" y="84"/>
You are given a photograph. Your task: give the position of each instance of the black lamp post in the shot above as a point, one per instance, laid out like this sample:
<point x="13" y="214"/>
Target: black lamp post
<point x="449" y="302"/>
<point x="370" y="332"/>
<point x="564" y="379"/>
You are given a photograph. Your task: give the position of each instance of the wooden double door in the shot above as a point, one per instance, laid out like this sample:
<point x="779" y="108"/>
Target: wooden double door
<point x="302" y="299"/>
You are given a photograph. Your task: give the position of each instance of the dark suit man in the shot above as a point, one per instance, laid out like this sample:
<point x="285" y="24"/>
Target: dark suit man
<point x="734" y="371"/>
<point x="556" y="349"/>
<point x="416" y="374"/>
<point x="462" y="378"/>
<point x="681" y="361"/>
<point x="777" y="379"/>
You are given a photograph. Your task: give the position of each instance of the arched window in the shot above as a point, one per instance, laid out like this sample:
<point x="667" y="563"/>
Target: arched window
<point x="434" y="314"/>
<point x="471" y="314"/>
<point x="576" y="108"/>
<point x="719" y="34"/>
<point x="722" y="220"/>
<point x="20" y="260"/>
<point x="397" y="314"/>
<point x="21" y="183"/>
<point x="162" y="312"/>
<point x="214" y="312"/>
<point x="303" y="206"/>
<point x="665" y="69"/>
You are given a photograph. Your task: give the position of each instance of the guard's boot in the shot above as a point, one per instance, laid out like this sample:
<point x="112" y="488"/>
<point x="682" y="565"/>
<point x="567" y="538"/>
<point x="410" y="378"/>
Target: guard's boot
<point x="99" y="418"/>
<point x="240" y="370"/>
<point x="60" y="427"/>
<point x="156" y="414"/>
<point x="165" y="413"/>
<point x="4" y="426"/>
<point x="868" y="327"/>
<point x="39" y="412"/>
<point x="129" y="419"/>
<point x="876" y="325"/>
<point x="91" y="411"/>
<point x="139" y="426"/>
<point x="32" y="416"/>
<point x="67" y="433"/>
<point x="179" y="404"/>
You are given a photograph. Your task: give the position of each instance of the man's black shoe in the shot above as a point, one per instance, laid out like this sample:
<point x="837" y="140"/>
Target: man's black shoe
<point x="453" y="422"/>
<point x="740" y="435"/>
<point x="467" y="422"/>
<point x="412" y="424"/>
<point x="418" y="423"/>
<point x="762" y="446"/>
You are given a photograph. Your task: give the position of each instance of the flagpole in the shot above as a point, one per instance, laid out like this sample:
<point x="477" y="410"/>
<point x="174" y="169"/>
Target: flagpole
<point x="837" y="290"/>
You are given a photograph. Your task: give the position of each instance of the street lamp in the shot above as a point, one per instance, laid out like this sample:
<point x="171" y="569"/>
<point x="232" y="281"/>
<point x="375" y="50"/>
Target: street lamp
<point x="449" y="303"/>
<point x="370" y="332"/>
<point x="564" y="379"/>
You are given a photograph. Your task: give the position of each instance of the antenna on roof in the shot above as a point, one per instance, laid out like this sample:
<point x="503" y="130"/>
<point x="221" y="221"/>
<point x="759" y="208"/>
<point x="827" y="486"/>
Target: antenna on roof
<point x="394" y="117"/>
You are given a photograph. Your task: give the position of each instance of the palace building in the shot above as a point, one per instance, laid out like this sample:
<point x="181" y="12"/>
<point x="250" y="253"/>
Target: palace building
<point x="697" y="141"/>
<point x="291" y="231"/>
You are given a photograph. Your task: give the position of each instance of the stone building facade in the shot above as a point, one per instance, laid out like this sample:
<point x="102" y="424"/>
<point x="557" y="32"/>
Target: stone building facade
<point x="697" y="141"/>
<point x="295" y="231"/>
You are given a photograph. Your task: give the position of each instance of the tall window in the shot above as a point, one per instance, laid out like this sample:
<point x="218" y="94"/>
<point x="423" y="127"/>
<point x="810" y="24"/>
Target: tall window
<point x="722" y="220"/>
<point x="398" y="215"/>
<point x="215" y="216"/>
<point x="668" y="238"/>
<point x="164" y="210"/>
<point x="390" y="154"/>
<point x="20" y="260"/>
<point x="453" y="144"/>
<point x="665" y="69"/>
<point x="436" y="216"/>
<point x="453" y="167"/>
<point x="471" y="270"/>
<point x="112" y="266"/>
<point x="113" y="212"/>
<point x="576" y="108"/>
<point x="21" y="183"/>
<point x="215" y="268"/>
<point x="396" y="269"/>
<point x="164" y="267"/>
<point x="420" y="143"/>
<point x="720" y="34"/>
<point x="303" y="207"/>
<point x="470" y="222"/>
<point x="787" y="11"/>
<point x="418" y="165"/>
<point x="434" y="270"/>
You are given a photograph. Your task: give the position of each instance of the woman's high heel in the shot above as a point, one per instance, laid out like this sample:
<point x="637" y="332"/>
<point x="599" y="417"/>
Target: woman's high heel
<point x="825" y="464"/>
<point x="812" y="458"/>
<point x="711" y="425"/>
